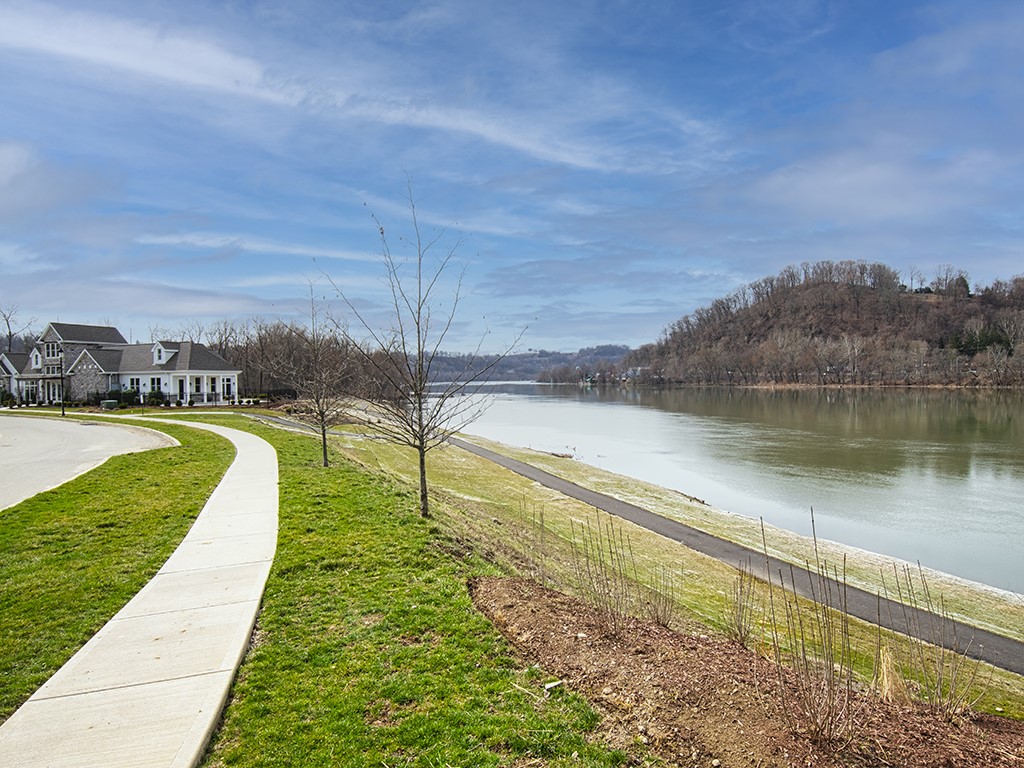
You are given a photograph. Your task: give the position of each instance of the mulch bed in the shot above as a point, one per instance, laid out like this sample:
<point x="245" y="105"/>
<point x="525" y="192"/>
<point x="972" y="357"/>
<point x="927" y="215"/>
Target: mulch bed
<point x="694" y="700"/>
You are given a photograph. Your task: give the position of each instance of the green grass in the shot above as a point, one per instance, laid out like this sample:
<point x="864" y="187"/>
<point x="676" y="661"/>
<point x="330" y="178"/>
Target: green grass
<point x="368" y="649"/>
<point x="71" y="557"/>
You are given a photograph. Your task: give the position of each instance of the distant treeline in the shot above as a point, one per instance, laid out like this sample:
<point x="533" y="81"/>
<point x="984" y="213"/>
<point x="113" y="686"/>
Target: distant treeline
<point x="538" y="365"/>
<point x="848" y="322"/>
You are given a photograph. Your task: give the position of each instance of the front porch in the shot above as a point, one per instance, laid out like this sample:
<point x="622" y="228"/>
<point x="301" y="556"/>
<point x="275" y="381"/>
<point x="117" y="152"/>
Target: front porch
<point x="202" y="390"/>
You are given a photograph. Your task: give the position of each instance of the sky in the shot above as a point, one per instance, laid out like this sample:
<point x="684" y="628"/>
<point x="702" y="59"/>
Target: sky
<point x="597" y="169"/>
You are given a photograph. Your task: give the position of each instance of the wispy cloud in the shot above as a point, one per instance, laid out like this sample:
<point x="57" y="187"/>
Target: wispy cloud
<point x="215" y="241"/>
<point x="144" y="50"/>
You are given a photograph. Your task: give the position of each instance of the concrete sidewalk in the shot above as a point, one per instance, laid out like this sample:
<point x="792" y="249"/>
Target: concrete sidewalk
<point x="149" y="687"/>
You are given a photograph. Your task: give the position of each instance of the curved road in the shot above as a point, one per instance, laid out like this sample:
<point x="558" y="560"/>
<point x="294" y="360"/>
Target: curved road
<point x="995" y="649"/>
<point x="39" y="453"/>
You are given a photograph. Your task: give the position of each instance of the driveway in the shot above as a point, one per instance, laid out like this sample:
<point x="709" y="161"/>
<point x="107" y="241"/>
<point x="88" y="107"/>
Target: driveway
<point x="37" y="454"/>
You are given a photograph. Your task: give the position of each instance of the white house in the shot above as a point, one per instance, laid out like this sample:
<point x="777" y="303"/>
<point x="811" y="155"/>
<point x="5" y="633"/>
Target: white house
<point x="90" y="360"/>
<point x="11" y="365"/>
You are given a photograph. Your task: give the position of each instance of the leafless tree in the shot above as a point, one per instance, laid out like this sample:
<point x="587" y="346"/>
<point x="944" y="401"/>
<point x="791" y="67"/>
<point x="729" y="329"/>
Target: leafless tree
<point x="191" y="330"/>
<point x="409" y="410"/>
<point x="14" y="324"/>
<point x="318" y="362"/>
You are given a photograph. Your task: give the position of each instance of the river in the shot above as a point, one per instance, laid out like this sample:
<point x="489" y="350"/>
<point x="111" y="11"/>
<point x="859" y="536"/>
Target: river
<point x="935" y="477"/>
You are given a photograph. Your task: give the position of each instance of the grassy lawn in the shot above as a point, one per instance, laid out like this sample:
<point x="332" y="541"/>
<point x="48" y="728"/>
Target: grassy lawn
<point x="368" y="650"/>
<point x="71" y="557"/>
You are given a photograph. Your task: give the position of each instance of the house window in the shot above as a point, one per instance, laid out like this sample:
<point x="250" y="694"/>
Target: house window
<point x="199" y="386"/>
<point x="159" y="353"/>
<point x="135" y="383"/>
<point x="53" y="349"/>
<point x="154" y="384"/>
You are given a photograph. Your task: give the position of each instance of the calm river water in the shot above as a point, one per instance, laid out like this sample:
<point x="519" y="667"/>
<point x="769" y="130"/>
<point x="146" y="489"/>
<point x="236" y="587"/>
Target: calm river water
<point x="929" y="476"/>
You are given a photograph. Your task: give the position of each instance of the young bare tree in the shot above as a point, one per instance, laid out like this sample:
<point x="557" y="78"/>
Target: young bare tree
<point x="318" y="362"/>
<point x="412" y="409"/>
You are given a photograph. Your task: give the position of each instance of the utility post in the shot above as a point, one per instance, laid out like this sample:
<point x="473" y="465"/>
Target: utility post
<point x="61" y="358"/>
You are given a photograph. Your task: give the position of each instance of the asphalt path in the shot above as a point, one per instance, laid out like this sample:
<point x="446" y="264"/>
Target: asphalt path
<point x="977" y="643"/>
<point x="39" y="453"/>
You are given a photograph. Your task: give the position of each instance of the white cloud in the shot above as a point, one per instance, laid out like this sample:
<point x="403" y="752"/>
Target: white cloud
<point x="872" y="185"/>
<point x="15" y="159"/>
<point x="30" y="187"/>
<point x="777" y="26"/>
<point x="142" y="50"/>
<point x="255" y="245"/>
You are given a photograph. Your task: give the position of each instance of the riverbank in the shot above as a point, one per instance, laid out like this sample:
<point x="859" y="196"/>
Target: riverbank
<point x="532" y="528"/>
<point x="892" y="472"/>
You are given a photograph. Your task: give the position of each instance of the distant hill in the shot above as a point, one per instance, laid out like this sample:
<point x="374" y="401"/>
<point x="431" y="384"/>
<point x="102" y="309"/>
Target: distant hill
<point x="537" y="365"/>
<point x="850" y="322"/>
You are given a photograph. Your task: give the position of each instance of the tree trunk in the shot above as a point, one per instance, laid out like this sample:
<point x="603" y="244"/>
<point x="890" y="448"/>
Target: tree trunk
<point x="323" y="441"/>
<point x="424" y="500"/>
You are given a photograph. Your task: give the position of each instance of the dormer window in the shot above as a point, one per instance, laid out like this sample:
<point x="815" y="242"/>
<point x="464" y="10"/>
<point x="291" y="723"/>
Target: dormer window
<point x="162" y="354"/>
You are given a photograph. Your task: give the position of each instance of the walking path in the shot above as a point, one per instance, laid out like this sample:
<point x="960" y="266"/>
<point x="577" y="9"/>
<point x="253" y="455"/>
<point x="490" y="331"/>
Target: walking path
<point x="149" y="687"/>
<point x="995" y="649"/>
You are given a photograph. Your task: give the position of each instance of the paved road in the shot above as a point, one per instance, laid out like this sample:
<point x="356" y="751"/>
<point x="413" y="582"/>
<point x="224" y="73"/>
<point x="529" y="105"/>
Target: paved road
<point x="38" y="453"/>
<point x="148" y="689"/>
<point x="990" y="647"/>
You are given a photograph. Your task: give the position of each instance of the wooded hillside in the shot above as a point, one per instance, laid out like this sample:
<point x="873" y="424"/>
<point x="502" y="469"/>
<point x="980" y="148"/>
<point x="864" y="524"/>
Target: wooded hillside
<point x="847" y="323"/>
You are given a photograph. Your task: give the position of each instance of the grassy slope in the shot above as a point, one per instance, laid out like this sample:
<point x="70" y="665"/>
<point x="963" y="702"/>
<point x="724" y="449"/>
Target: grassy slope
<point x="368" y="649"/>
<point x="71" y="557"/>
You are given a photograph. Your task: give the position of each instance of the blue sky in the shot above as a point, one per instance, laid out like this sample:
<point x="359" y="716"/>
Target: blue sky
<point x="606" y="166"/>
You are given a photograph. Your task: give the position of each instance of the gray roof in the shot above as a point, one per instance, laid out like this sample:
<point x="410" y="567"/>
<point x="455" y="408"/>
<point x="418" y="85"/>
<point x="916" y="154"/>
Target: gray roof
<point x="189" y="357"/>
<point x="138" y="358"/>
<point x="19" y="360"/>
<point x="199" y="357"/>
<point x="88" y="334"/>
<point x="109" y="360"/>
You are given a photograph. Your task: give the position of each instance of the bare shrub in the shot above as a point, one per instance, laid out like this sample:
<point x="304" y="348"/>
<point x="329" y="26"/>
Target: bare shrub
<point x="741" y="618"/>
<point x="813" y="643"/>
<point x="535" y="544"/>
<point x="605" y="570"/>
<point x="936" y="659"/>
<point x="658" y="596"/>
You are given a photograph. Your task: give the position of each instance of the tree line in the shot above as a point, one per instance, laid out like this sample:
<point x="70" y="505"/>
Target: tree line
<point x="847" y="322"/>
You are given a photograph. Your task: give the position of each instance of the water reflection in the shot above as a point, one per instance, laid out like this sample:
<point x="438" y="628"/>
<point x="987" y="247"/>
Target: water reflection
<point x="936" y="476"/>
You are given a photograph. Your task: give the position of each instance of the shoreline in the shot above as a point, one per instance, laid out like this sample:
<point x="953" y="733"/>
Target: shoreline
<point x="993" y="647"/>
<point x="968" y="600"/>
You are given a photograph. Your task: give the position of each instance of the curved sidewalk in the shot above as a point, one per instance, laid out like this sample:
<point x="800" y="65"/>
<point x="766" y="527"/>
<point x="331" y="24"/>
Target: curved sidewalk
<point x="148" y="689"/>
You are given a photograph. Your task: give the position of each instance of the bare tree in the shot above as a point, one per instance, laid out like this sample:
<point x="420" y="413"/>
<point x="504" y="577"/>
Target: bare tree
<point x="319" y="364"/>
<point x="412" y="409"/>
<point x="191" y="330"/>
<point x="15" y="326"/>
